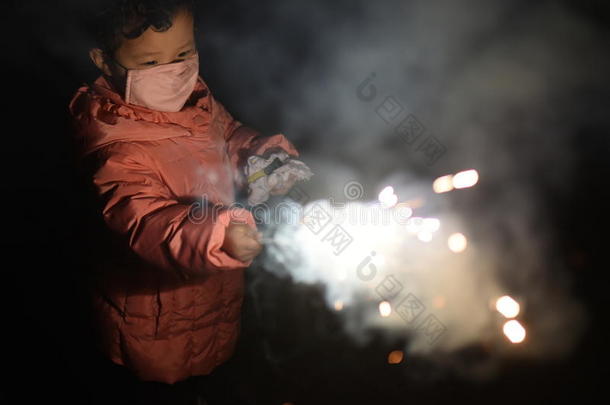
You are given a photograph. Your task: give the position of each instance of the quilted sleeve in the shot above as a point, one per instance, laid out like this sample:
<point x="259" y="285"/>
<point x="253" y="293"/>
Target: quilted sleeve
<point x="243" y="142"/>
<point x="161" y="230"/>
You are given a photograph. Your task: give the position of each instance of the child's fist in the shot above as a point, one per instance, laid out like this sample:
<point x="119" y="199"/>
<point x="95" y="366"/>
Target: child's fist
<point x="242" y="242"/>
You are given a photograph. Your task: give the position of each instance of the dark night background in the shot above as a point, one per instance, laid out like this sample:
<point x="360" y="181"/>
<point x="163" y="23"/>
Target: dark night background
<point x="48" y="354"/>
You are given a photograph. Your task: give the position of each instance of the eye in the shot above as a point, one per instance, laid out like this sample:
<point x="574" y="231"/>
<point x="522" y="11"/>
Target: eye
<point x="150" y="63"/>
<point x="182" y="55"/>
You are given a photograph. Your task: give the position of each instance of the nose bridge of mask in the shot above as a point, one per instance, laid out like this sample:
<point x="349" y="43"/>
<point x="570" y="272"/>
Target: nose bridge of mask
<point x="172" y="76"/>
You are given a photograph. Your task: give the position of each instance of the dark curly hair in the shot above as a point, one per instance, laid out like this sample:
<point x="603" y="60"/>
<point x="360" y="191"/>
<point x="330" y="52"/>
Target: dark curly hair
<point x="116" y="20"/>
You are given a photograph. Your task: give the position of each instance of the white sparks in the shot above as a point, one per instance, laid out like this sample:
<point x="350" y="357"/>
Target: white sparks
<point x="507" y="306"/>
<point x="466" y="179"/>
<point x="443" y="184"/>
<point x="387" y="198"/>
<point x="385" y="309"/>
<point x="514" y="331"/>
<point x="457" y="243"/>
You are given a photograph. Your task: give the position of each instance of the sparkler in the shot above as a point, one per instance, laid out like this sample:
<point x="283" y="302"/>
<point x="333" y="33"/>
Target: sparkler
<point x="374" y="251"/>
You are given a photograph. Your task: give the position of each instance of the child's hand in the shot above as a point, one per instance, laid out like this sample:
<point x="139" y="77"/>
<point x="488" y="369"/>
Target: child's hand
<point x="279" y="182"/>
<point x="242" y="242"/>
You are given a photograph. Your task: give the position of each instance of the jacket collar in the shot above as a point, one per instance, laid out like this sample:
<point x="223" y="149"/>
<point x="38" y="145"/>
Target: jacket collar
<point x="101" y="116"/>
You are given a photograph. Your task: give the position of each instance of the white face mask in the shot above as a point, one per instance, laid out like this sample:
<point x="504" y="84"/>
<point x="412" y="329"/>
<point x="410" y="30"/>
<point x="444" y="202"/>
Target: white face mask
<point x="165" y="87"/>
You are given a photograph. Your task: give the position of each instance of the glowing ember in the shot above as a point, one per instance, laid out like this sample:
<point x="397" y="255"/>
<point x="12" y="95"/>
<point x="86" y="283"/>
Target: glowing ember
<point x="507" y="306"/>
<point x="396" y="357"/>
<point x="514" y="331"/>
<point x="466" y="179"/>
<point x="387" y="198"/>
<point x="443" y="184"/>
<point x="338" y="305"/>
<point x="385" y="309"/>
<point x="457" y="243"/>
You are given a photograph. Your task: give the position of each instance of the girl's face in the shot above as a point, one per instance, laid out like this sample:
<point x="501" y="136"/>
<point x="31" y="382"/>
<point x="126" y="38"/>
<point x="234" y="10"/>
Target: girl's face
<point x="148" y="50"/>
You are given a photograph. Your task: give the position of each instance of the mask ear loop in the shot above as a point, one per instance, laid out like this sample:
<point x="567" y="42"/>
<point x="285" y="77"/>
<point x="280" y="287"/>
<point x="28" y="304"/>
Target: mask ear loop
<point x="127" y="78"/>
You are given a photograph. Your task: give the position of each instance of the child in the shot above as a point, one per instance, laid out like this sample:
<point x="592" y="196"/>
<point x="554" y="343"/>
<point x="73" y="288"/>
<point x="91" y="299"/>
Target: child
<point x="161" y="145"/>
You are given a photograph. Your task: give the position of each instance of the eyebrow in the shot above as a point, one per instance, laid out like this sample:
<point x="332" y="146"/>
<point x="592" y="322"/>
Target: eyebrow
<point x="147" y="54"/>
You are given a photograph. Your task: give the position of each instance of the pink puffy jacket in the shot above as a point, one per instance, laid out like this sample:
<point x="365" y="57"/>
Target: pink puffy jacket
<point x="173" y="312"/>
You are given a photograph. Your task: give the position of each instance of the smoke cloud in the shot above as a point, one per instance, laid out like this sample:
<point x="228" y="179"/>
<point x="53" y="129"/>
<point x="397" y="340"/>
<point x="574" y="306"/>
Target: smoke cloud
<point x="397" y="94"/>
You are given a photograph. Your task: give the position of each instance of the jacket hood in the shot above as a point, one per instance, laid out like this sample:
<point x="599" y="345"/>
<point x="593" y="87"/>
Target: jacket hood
<point x="101" y="117"/>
